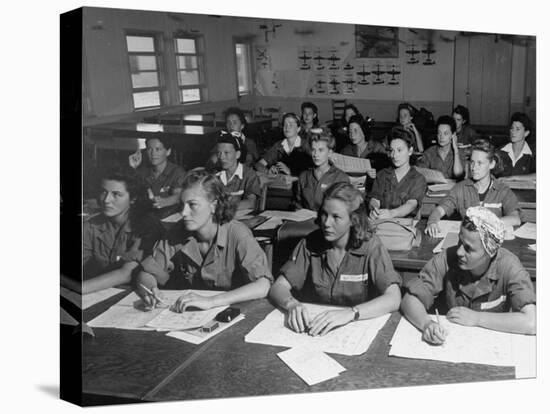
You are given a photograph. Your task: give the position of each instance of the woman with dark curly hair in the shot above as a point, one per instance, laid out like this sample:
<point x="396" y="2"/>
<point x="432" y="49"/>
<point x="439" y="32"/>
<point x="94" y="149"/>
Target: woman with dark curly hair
<point x="207" y="250"/>
<point x="346" y="264"/>
<point x="116" y="240"/>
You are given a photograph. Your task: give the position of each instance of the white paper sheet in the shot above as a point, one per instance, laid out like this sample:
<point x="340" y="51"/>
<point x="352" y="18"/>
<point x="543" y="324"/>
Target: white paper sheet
<point x="196" y="336"/>
<point x="448" y="226"/>
<point x="89" y="299"/>
<point x="269" y="224"/>
<point x="129" y="312"/>
<point x="527" y="231"/>
<point x="451" y="239"/>
<point x="466" y="344"/>
<point x="174" y="218"/>
<point x="168" y="320"/>
<point x="432" y="176"/>
<point x="351" y="339"/>
<point x="298" y="215"/>
<point x="440" y="187"/>
<point x="350" y="164"/>
<point x="310" y="364"/>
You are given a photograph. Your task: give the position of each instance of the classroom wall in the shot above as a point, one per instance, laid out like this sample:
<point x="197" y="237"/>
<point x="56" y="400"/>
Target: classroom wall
<point x="107" y="92"/>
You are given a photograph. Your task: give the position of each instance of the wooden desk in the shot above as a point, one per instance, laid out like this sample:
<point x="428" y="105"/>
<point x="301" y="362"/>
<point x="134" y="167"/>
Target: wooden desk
<point x="149" y="366"/>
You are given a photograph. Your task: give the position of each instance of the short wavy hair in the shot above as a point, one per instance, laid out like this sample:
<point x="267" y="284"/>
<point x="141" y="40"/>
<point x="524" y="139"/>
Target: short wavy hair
<point x="447" y="120"/>
<point x="126" y="175"/>
<point x="293" y="116"/>
<point x="353" y="108"/>
<point x="214" y="190"/>
<point x="235" y="111"/>
<point x="360" y="230"/>
<point x="463" y="112"/>
<point x="323" y="135"/>
<point x="359" y="120"/>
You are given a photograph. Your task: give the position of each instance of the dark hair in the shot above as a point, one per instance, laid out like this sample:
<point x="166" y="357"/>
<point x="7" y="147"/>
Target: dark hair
<point x="214" y="190"/>
<point x="313" y="108"/>
<point x="359" y="120"/>
<point x="229" y="138"/>
<point x="484" y="145"/>
<point x="165" y="141"/>
<point x="360" y="229"/>
<point x="126" y="175"/>
<point x="398" y="132"/>
<point x="407" y="106"/>
<point x="447" y="120"/>
<point x="463" y="112"/>
<point x="323" y="135"/>
<point x="235" y="111"/>
<point x="352" y="107"/>
<point x="523" y="119"/>
<point x="291" y="115"/>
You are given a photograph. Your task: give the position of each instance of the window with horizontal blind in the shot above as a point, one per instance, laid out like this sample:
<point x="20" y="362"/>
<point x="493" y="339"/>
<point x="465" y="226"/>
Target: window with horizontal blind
<point x="190" y="68"/>
<point x="244" y="72"/>
<point x="145" y="73"/>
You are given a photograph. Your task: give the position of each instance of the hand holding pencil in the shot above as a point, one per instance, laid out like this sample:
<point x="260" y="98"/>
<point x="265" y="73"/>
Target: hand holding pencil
<point x="434" y="333"/>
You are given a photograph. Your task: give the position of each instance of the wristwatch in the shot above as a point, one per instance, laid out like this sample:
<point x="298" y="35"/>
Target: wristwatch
<point x="355" y="313"/>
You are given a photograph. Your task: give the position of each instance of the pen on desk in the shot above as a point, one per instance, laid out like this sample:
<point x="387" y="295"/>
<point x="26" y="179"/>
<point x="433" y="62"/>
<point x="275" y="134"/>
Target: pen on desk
<point x="149" y="291"/>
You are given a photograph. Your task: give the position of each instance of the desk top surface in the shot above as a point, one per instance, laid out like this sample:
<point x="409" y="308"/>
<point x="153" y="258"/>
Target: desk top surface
<point x="154" y="367"/>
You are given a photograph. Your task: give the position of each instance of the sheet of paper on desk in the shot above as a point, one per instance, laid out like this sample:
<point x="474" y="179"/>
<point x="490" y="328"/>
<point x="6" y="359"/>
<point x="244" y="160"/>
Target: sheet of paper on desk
<point x="350" y="164"/>
<point x="466" y="344"/>
<point x="196" y="336"/>
<point x="448" y="226"/>
<point x="298" y="215"/>
<point x="89" y="299"/>
<point x="440" y="187"/>
<point x="168" y="320"/>
<point x="174" y="218"/>
<point x="432" y="176"/>
<point x="351" y="339"/>
<point x="310" y="364"/>
<point x="270" y="224"/>
<point x="450" y="240"/>
<point x="527" y="231"/>
<point x="129" y="312"/>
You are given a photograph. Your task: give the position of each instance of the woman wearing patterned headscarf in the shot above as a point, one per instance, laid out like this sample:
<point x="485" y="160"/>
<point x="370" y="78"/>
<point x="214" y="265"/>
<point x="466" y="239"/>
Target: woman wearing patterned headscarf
<point x="485" y="285"/>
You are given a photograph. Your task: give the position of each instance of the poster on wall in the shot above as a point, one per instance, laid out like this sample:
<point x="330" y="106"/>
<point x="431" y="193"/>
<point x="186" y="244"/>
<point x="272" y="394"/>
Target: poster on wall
<point x="319" y="57"/>
<point x="304" y="58"/>
<point x="376" y="41"/>
<point x="378" y="72"/>
<point x="262" y="57"/>
<point x="319" y="84"/>
<point x="393" y="71"/>
<point x="363" y="74"/>
<point x="335" y="83"/>
<point x="334" y="59"/>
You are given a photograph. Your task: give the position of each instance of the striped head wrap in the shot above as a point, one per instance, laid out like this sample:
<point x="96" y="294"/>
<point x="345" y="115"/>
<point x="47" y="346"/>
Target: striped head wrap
<point x="489" y="227"/>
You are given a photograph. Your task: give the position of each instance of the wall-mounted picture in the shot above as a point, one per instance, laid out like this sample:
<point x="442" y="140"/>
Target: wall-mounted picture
<point x="376" y="41"/>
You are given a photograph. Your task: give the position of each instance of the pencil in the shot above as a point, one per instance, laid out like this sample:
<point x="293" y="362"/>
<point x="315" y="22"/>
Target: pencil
<point x="437" y="315"/>
<point x="149" y="291"/>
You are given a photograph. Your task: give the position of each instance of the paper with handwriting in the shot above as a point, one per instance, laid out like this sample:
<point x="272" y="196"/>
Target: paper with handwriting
<point x="351" y="339"/>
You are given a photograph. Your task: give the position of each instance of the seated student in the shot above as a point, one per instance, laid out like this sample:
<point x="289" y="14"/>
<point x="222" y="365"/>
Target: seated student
<point x="309" y="118"/>
<point x="340" y="128"/>
<point x="346" y="264"/>
<point x="361" y="147"/>
<point x="518" y="159"/>
<point x="241" y="182"/>
<point x="313" y="182"/>
<point x="405" y="114"/>
<point x="290" y="156"/>
<point x="398" y="190"/>
<point x="444" y="156"/>
<point x="207" y="250"/>
<point x="484" y="284"/>
<point x="465" y="134"/>
<point x="116" y="240"/>
<point x="480" y="189"/>
<point x="235" y="123"/>
<point x="162" y="177"/>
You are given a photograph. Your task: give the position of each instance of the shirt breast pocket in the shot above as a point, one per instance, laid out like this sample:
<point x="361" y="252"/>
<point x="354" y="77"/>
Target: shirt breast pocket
<point x="493" y="305"/>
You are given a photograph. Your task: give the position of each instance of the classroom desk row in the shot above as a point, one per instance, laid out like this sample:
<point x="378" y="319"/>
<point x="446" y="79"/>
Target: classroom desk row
<point x="150" y="366"/>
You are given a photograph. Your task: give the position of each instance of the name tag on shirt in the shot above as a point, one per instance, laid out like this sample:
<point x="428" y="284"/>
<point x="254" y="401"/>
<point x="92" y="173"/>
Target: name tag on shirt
<point x="165" y="189"/>
<point x="237" y="193"/>
<point x="493" y="303"/>
<point x="492" y="205"/>
<point x="354" y="278"/>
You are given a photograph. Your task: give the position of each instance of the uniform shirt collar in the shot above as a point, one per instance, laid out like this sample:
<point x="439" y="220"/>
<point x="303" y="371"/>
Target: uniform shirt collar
<point x="238" y="172"/>
<point x="298" y="143"/>
<point x="103" y="225"/>
<point x="525" y="150"/>
<point x="190" y="246"/>
<point x="169" y="167"/>
<point x="484" y="284"/>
